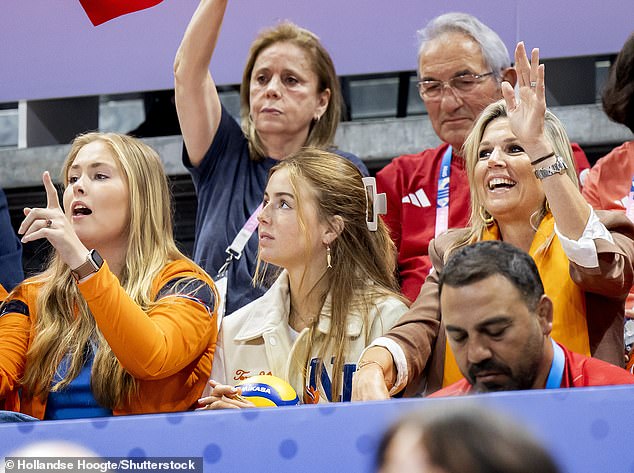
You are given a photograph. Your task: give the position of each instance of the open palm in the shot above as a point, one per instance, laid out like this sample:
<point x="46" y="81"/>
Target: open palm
<point x="526" y="112"/>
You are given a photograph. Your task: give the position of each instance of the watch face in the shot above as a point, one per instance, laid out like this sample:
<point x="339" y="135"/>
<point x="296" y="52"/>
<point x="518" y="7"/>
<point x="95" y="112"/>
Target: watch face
<point x="97" y="259"/>
<point x="93" y="263"/>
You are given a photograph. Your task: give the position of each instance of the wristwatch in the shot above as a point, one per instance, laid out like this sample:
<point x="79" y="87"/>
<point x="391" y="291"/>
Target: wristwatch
<point x="558" y="167"/>
<point x="94" y="261"/>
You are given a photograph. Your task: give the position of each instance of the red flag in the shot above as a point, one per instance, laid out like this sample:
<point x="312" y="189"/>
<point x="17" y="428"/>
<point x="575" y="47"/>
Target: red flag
<point x="100" y="11"/>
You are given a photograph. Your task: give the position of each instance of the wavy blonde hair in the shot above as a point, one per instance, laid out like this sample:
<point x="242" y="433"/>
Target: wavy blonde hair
<point x="364" y="262"/>
<point x="64" y="325"/>
<point x="556" y="134"/>
<point x="322" y="131"/>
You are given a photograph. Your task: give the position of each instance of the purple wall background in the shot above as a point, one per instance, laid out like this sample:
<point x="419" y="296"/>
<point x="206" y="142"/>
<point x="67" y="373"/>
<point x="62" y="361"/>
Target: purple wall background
<point x="50" y="49"/>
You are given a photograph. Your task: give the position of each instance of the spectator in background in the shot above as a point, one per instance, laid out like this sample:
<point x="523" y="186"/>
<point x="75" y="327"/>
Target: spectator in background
<point x="462" y="64"/>
<point x="498" y="323"/>
<point x="160" y="115"/>
<point x="10" y="251"/>
<point x="127" y="327"/>
<point x="523" y="191"/>
<point x="610" y="183"/>
<point x="290" y="98"/>
<point x="461" y="440"/>
<point x="337" y="291"/>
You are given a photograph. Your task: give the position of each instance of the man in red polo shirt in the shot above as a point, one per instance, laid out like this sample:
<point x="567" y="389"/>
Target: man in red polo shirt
<point x="461" y="66"/>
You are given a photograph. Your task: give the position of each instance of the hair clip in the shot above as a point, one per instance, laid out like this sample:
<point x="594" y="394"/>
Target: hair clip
<point x="379" y="204"/>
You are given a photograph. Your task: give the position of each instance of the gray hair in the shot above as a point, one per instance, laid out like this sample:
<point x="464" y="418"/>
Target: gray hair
<point x="493" y="49"/>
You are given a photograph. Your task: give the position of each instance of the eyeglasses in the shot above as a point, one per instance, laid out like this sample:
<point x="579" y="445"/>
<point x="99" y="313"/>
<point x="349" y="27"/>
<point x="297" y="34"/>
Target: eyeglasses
<point x="432" y="89"/>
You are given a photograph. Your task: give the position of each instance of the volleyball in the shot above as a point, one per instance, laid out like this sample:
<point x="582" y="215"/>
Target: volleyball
<point x="268" y="391"/>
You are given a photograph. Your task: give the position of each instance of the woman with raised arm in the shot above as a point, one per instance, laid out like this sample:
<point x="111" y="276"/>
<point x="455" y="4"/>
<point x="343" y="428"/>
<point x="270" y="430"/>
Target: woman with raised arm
<point x="524" y="191"/>
<point x="336" y="293"/>
<point x="289" y="98"/>
<point x="120" y="322"/>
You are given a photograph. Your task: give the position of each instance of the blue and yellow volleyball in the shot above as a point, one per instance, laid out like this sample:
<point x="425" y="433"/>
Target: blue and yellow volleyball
<point x="268" y="391"/>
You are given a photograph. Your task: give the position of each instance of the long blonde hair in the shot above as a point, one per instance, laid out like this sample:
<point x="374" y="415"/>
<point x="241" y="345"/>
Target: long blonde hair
<point x="64" y="325"/>
<point x="480" y="218"/>
<point x="363" y="262"/>
<point x="322" y="131"/>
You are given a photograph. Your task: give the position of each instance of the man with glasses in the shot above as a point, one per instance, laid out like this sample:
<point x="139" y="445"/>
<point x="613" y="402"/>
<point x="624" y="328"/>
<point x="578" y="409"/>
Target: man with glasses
<point x="462" y="63"/>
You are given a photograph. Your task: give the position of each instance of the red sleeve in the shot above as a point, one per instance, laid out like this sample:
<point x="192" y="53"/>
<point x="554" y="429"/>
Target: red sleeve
<point x="389" y="181"/>
<point x="151" y="344"/>
<point x="581" y="160"/>
<point x="598" y="373"/>
<point x="609" y="180"/>
<point x="591" y="187"/>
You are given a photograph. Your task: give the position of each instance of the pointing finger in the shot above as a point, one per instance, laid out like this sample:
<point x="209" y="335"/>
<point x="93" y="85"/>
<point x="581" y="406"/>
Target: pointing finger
<point x="52" y="200"/>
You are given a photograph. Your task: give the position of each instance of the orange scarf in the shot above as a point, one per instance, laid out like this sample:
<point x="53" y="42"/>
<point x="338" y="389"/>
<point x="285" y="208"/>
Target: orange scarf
<point x="569" y="318"/>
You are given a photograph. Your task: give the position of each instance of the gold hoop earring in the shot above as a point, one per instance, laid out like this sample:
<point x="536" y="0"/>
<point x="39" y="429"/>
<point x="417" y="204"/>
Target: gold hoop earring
<point x="486" y="217"/>
<point x="532" y="217"/>
<point x="540" y="214"/>
<point x="328" y="257"/>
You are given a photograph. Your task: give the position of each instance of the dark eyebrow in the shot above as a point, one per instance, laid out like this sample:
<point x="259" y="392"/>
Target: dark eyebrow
<point x="482" y="325"/>
<point x="501" y="319"/>
<point x="451" y="328"/>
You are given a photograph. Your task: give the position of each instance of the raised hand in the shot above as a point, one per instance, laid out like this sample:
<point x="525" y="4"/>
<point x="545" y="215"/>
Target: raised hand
<point x="526" y="112"/>
<point x="52" y="224"/>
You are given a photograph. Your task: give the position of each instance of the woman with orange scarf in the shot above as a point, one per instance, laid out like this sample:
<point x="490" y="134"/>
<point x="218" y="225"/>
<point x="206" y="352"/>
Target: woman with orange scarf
<point x="524" y="191"/>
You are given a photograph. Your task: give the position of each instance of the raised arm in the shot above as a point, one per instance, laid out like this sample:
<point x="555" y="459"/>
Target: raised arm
<point x="526" y="116"/>
<point x="197" y="101"/>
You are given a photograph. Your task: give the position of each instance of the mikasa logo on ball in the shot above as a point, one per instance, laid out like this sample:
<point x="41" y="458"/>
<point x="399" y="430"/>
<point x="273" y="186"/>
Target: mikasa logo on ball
<point x="255" y="387"/>
<point x="268" y="391"/>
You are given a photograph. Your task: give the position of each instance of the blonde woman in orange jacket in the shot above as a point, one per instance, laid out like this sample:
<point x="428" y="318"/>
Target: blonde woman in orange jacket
<point x="121" y="322"/>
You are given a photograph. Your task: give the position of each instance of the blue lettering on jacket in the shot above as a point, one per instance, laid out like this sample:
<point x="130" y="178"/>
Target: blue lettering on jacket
<point x="326" y="382"/>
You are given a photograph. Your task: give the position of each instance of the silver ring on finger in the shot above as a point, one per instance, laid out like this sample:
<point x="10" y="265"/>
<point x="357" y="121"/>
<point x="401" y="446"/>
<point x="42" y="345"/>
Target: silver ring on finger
<point x="49" y="223"/>
<point x="533" y="84"/>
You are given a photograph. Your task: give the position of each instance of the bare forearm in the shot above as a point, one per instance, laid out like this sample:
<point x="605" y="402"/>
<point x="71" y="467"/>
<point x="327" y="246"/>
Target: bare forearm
<point x="197" y="101"/>
<point x="196" y="49"/>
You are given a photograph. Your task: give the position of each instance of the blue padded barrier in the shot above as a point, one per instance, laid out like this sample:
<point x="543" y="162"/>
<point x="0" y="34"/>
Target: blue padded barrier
<point x="587" y="430"/>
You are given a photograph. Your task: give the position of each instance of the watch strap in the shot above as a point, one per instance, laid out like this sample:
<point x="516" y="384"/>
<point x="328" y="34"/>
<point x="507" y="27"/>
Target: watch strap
<point x="558" y="167"/>
<point x="93" y="263"/>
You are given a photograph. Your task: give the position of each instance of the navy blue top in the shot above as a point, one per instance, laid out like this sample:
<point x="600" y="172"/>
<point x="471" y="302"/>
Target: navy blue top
<point x="76" y="401"/>
<point x="230" y="186"/>
<point x="10" y="249"/>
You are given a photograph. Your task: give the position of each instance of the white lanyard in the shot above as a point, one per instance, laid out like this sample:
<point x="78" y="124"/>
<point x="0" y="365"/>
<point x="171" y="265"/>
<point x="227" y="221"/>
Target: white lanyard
<point x="234" y="250"/>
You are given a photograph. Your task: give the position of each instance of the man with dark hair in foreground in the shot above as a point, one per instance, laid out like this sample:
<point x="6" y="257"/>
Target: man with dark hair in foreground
<point x="498" y="322"/>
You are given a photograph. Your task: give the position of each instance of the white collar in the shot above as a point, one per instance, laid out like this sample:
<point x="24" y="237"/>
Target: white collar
<point x="269" y="311"/>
